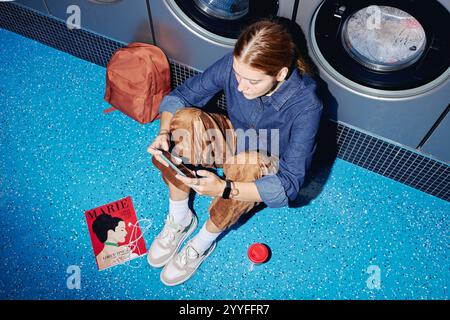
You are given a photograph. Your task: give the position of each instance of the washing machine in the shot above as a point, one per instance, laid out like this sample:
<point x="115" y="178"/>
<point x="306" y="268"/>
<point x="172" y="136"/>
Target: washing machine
<point x="38" y="5"/>
<point x="437" y="144"/>
<point x="196" y="33"/>
<point x="124" y="21"/>
<point x="384" y="63"/>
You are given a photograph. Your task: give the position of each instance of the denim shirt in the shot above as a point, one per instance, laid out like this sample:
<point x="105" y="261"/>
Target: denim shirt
<point x="293" y="109"/>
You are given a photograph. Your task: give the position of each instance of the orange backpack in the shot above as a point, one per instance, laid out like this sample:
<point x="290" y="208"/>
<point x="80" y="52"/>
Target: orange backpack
<point x="137" y="79"/>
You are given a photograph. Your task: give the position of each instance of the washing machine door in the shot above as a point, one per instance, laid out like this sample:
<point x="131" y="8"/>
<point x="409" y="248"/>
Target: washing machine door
<point x="227" y="18"/>
<point x="385" y="44"/>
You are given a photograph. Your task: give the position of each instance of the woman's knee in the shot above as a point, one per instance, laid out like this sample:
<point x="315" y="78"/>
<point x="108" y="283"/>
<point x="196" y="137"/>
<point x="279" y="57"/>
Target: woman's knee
<point x="249" y="166"/>
<point x="184" y="118"/>
<point x="185" y="126"/>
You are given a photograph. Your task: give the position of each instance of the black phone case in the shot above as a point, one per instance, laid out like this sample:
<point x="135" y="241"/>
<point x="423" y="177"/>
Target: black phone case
<point x="180" y="166"/>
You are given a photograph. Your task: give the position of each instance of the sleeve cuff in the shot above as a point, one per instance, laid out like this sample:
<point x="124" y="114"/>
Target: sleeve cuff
<point x="171" y="104"/>
<point x="271" y="191"/>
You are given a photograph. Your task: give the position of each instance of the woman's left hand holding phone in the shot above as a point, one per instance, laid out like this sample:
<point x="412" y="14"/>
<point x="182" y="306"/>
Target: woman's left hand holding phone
<point x="162" y="141"/>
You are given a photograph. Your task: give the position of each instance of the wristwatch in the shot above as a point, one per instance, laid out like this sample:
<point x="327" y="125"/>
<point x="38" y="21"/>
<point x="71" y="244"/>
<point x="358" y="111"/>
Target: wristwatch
<point x="234" y="190"/>
<point x="227" y="190"/>
<point x="164" y="131"/>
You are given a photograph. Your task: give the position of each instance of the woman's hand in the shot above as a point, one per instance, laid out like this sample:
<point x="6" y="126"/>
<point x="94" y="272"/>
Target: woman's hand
<point x="162" y="141"/>
<point x="210" y="185"/>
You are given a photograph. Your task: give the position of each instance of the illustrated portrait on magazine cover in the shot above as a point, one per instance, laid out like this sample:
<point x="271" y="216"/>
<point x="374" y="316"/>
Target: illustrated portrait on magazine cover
<point x="112" y="232"/>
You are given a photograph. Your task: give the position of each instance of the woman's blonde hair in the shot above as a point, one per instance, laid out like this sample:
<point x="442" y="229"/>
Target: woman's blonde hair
<point x="268" y="46"/>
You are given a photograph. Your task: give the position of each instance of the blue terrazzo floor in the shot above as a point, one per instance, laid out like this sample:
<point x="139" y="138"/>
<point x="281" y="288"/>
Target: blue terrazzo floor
<point x="60" y="155"/>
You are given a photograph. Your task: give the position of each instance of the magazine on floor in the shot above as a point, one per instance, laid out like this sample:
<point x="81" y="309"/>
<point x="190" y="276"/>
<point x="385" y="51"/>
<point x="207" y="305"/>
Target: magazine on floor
<point x="115" y="233"/>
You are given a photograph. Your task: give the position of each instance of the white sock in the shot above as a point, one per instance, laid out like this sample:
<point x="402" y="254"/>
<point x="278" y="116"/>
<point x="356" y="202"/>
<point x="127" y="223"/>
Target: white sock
<point x="204" y="239"/>
<point x="179" y="210"/>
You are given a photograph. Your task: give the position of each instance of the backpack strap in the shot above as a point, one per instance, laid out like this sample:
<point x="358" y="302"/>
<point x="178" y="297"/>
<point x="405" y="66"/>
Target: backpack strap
<point x="106" y="111"/>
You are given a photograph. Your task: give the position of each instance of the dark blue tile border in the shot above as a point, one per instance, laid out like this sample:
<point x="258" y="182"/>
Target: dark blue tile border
<point x="54" y="33"/>
<point x="375" y="154"/>
<point x="393" y="161"/>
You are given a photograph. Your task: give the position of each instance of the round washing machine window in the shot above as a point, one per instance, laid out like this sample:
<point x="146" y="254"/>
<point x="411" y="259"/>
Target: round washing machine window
<point x="224" y="9"/>
<point x="391" y="46"/>
<point x="226" y="18"/>
<point x="383" y="38"/>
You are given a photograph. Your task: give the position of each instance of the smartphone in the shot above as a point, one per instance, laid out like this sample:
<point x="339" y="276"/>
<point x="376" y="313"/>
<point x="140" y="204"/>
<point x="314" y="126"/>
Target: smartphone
<point x="181" y="169"/>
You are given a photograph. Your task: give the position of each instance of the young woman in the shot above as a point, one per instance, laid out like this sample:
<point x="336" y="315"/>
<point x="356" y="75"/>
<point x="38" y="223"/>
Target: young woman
<point x="271" y="100"/>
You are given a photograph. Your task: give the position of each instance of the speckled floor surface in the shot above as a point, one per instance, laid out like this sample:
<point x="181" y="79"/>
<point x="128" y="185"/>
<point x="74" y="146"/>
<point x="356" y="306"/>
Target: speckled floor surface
<point x="60" y="155"/>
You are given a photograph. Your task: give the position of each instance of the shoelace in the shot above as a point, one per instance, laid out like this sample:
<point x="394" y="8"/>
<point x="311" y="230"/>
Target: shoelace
<point x="168" y="234"/>
<point x="187" y="254"/>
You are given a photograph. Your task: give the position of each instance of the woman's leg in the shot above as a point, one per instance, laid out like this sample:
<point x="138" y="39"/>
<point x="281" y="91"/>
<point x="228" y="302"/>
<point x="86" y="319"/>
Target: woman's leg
<point x="180" y="223"/>
<point x="206" y="236"/>
<point x="201" y="139"/>
<point x="207" y="140"/>
<point x="211" y="227"/>
<point x="244" y="167"/>
<point x="176" y="194"/>
<point x="193" y="132"/>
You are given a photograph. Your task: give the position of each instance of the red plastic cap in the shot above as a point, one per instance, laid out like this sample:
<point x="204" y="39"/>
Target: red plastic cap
<point x="258" y="253"/>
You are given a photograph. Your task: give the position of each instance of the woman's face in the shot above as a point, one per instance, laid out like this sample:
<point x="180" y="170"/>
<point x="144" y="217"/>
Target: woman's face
<point x="253" y="83"/>
<point x="120" y="232"/>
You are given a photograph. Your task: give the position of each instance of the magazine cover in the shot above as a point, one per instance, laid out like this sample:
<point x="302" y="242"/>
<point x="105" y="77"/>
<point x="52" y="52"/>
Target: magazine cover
<point x="115" y="233"/>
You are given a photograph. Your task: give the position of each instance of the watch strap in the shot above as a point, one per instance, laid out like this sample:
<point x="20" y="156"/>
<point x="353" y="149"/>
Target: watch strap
<point x="227" y="190"/>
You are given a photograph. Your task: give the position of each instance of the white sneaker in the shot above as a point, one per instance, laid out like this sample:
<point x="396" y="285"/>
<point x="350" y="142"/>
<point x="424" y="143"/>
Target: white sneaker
<point x="184" y="264"/>
<point x="169" y="240"/>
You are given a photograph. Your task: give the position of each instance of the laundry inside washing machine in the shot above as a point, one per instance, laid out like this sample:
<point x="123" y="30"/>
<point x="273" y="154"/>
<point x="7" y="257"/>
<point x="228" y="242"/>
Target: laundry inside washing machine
<point x="387" y="45"/>
<point x="383" y="38"/>
<point x="224" y="9"/>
